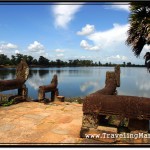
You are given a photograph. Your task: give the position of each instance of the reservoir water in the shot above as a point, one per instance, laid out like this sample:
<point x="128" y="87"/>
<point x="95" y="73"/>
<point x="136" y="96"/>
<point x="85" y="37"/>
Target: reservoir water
<point x="81" y="81"/>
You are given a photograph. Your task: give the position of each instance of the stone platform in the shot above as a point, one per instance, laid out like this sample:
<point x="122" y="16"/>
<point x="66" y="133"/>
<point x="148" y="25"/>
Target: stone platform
<point x="57" y="123"/>
<point x="32" y="122"/>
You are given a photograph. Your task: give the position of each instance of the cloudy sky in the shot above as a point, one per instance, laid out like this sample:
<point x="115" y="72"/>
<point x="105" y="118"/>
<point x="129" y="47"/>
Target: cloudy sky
<point x="67" y="31"/>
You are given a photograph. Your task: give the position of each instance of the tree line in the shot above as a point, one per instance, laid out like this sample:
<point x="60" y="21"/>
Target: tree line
<point x="42" y="61"/>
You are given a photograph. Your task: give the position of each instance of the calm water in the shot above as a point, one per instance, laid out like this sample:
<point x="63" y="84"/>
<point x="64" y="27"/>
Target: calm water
<point x="81" y="81"/>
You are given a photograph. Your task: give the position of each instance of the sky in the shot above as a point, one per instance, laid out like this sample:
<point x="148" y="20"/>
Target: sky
<point x="68" y="31"/>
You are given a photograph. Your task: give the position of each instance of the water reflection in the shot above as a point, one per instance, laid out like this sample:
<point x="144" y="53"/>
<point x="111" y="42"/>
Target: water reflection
<point x="72" y="71"/>
<point x="143" y="85"/>
<point x="81" y="81"/>
<point x="43" y="73"/>
<point x="135" y="82"/>
<point x="7" y="74"/>
<point x="58" y="71"/>
<point x="35" y="82"/>
<point x="91" y="86"/>
<point x="32" y="73"/>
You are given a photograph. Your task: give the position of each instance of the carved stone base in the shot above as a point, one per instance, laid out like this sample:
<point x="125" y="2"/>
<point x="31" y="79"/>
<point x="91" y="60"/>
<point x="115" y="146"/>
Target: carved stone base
<point x="59" y="98"/>
<point x="41" y="95"/>
<point x="102" y="120"/>
<point x="83" y="132"/>
<point x="135" y="124"/>
<point x="52" y="96"/>
<point x="23" y="92"/>
<point x="90" y="120"/>
<point x="101" y="134"/>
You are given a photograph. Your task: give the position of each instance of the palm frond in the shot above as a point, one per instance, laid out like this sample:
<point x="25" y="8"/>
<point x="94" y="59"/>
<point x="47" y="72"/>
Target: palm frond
<point x="138" y="33"/>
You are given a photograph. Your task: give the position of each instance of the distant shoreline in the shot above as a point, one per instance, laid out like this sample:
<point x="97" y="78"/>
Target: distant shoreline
<point x="39" y="66"/>
<point x="32" y="66"/>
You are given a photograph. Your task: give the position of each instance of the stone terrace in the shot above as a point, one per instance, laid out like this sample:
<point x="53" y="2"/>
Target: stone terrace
<point x="60" y="123"/>
<point x="32" y="122"/>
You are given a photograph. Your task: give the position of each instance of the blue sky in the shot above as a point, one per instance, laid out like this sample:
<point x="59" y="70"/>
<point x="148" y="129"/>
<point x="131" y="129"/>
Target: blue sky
<point x="67" y="31"/>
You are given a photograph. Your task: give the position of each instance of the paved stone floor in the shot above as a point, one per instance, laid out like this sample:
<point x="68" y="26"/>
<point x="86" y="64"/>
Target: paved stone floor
<point x="32" y="122"/>
<point x="56" y="123"/>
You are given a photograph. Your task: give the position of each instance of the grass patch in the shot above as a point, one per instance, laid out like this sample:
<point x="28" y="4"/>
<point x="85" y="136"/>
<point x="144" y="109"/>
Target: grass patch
<point x="10" y="99"/>
<point x="4" y="101"/>
<point x="78" y="100"/>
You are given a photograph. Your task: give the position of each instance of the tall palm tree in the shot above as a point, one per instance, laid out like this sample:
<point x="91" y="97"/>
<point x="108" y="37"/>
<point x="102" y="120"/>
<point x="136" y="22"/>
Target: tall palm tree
<point x="139" y="30"/>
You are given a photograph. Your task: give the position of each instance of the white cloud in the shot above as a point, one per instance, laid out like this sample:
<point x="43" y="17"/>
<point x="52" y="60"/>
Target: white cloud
<point x="82" y="57"/>
<point x="36" y="47"/>
<point x="60" y="55"/>
<point x="110" y="43"/>
<point x="17" y="51"/>
<point x="120" y="6"/>
<point x="7" y="46"/>
<point x="110" y="37"/>
<point x="59" y="50"/>
<point x="64" y="13"/>
<point x="84" y="44"/>
<point x="88" y="29"/>
<point x="45" y="54"/>
<point x="116" y="58"/>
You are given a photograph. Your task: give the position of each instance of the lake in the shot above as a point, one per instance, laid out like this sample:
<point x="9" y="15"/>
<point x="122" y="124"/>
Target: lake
<point x="81" y="81"/>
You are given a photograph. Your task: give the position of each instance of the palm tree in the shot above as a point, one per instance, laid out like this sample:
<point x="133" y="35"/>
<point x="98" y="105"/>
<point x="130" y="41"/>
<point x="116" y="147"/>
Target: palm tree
<point x="139" y="30"/>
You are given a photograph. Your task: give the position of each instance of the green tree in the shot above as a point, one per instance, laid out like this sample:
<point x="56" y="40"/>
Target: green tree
<point x="106" y="64"/>
<point x="43" y="61"/>
<point x="19" y="57"/>
<point x="35" y="62"/>
<point x="4" y="60"/>
<point x="58" y="62"/>
<point x="129" y="64"/>
<point x="109" y="64"/>
<point x="13" y="59"/>
<point x="70" y="62"/>
<point x="139" y="30"/>
<point x="99" y="63"/>
<point x="29" y="60"/>
<point x="75" y="62"/>
<point x="124" y="64"/>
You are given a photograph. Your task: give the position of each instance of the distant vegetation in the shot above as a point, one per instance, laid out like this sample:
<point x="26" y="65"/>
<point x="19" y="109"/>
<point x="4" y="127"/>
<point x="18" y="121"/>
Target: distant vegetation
<point x="44" y="62"/>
